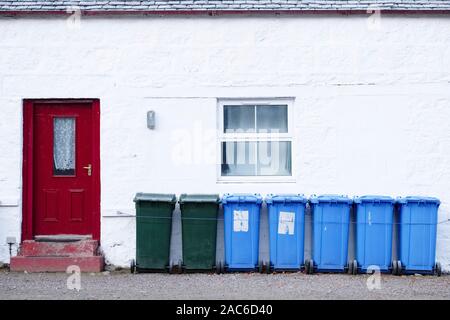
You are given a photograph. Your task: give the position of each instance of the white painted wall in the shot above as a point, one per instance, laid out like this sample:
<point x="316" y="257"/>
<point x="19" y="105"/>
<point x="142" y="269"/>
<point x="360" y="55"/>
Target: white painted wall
<point x="372" y="105"/>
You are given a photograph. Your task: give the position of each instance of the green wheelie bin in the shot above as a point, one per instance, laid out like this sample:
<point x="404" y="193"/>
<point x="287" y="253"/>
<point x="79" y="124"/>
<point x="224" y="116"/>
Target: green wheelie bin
<point x="199" y="231"/>
<point x="153" y="231"/>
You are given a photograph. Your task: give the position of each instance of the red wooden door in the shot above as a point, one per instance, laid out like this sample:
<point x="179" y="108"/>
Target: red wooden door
<point x="62" y="169"/>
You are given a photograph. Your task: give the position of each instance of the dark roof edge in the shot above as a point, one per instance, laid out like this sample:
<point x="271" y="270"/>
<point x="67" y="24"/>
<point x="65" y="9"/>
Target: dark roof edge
<point x="224" y="12"/>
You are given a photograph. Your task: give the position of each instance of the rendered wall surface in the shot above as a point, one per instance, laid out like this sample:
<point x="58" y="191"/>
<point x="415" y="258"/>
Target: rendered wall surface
<point x="371" y="106"/>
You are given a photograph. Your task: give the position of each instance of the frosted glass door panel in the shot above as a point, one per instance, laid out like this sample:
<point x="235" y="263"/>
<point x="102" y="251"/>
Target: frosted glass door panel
<point x="63" y="146"/>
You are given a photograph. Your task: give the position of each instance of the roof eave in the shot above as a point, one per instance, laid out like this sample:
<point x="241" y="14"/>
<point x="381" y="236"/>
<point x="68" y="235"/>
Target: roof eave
<point x="223" y="12"/>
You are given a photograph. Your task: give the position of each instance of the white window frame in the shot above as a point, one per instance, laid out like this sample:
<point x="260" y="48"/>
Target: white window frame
<point x="227" y="137"/>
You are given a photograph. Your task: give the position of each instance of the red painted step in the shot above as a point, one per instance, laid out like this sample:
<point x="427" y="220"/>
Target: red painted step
<point x="56" y="256"/>
<point x="56" y="264"/>
<point x="83" y="248"/>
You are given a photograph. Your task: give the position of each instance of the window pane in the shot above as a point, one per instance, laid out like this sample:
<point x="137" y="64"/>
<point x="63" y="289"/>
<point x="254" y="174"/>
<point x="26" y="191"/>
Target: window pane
<point x="238" y="119"/>
<point x="274" y="158"/>
<point x="272" y="119"/>
<point x="238" y="158"/>
<point x="64" y="146"/>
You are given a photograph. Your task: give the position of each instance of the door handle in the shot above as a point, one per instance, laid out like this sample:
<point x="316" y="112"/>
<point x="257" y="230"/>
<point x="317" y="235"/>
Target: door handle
<point x="89" y="169"/>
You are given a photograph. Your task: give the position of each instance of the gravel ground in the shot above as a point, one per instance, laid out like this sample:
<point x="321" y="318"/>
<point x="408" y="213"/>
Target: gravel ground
<point x="122" y="285"/>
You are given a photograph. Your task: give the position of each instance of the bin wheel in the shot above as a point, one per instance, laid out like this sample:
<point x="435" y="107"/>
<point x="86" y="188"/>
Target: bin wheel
<point x="399" y="268"/>
<point x="394" y="268"/>
<point x="222" y="267"/>
<point x="355" y="267"/>
<point x="133" y="266"/>
<point x="170" y="268"/>
<point x="306" y="267"/>
<point x="218" y="267"/>
<point x="269" y="268"/>
<point x="260" y="266"/>
<point x="349" y="268"/>
<point x="311" y="266"/>
<point x="180" y="267"/>
<point x="438" y="269"/>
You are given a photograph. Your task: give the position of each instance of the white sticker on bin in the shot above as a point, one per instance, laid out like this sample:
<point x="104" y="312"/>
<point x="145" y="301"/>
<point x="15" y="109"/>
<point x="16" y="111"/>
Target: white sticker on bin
<point x="240" y="221"/>
<point x="286" y="222"/>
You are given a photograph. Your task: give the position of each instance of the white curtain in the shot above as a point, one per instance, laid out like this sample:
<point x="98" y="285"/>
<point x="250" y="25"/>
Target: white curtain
<point x="274" y="158"/>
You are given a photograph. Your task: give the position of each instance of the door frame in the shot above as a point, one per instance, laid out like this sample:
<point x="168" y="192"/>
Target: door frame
<point x="27" y="165"/>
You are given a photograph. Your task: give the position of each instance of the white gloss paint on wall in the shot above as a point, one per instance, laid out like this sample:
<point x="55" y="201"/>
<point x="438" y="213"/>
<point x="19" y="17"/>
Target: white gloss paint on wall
<point x="371" y="106"/>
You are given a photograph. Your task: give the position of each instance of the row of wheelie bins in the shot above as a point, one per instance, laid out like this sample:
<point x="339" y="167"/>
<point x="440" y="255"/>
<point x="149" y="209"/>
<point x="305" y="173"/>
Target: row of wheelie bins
<point x="375" y="220"/>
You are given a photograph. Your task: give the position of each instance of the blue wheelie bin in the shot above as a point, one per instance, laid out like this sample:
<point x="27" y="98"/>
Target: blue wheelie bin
<point x="286" y="231"/>
<point x="241" y="220"/>
<point x="374" y="226"/>
<point x="417" y="227"/>
<point x="331" y="219"/>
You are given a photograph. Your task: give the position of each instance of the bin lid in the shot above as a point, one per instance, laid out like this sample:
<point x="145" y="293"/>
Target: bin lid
<point x="242" y="198"/>
<point x="416" y="199"/>
<point x="155" y="197"/>
<point x="283" y="198"/>
<point x="373" y="198"/>
<point x="202" y="198"/>
<point x="330" y="198"/>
